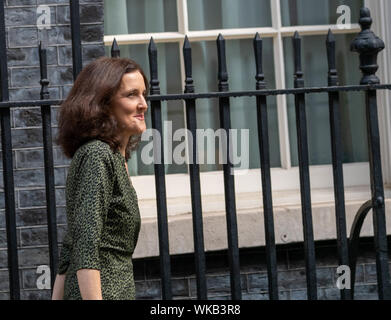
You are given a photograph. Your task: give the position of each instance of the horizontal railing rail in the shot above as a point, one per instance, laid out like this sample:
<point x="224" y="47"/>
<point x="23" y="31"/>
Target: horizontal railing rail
<point x="208" y="95"/>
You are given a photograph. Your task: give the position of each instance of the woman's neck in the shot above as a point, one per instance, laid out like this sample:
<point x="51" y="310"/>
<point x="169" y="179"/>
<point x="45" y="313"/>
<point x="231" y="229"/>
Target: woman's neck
<point x="124" y="139"/>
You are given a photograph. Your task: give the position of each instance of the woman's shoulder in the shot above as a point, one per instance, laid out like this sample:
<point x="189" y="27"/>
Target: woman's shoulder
<point x="95" y="148"/>
<point x="90" y="161"/>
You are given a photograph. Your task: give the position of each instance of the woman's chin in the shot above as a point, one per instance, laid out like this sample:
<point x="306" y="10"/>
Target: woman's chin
<point x="141" y="129"/>
<point x="138" y="130"/>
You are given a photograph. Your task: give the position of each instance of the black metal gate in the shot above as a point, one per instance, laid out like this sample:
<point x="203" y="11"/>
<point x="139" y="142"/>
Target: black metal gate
<point x="366" y="44"/>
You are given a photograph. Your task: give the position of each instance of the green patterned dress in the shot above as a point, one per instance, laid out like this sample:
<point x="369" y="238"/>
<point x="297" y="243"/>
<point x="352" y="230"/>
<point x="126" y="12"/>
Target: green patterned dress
<point x="103" y="222"/>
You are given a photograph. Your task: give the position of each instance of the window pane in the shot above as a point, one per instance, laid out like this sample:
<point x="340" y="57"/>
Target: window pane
<point x="315" y="12"/>
<point x="135" y="16"/>
<point x="172" y="111"/>
<point x="241" y="70"/>
<point x="221" y="14"/>
<point x="352" y="104"/>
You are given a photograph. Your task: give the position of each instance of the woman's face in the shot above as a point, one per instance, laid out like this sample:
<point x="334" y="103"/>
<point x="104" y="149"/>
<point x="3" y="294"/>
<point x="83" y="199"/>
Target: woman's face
<point x="129" y="104"/>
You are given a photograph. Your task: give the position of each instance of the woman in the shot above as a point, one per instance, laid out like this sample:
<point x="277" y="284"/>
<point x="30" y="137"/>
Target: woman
<point x="100" y="123"/>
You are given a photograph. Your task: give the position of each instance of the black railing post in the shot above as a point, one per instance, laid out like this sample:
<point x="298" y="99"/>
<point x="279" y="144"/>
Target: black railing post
<point x="156" y="116"/>
<point x="337" y="155"/>
<point x="229" y="183"/>
<point x="76" y="37"/>
<point x="368" y="46"/>
<point x="195" y="186"/>
<point x="305" y="189"/>
<point x="8" y="176"/>
<point x="264" y="153"/>
<point x="49" y="169"/>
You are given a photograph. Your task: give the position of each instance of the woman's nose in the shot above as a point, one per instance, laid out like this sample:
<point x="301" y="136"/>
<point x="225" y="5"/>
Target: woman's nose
<point x="143" y="103"/>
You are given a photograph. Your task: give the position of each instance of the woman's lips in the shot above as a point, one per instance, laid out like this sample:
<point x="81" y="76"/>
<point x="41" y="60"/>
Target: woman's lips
<point x="140" y="117"/>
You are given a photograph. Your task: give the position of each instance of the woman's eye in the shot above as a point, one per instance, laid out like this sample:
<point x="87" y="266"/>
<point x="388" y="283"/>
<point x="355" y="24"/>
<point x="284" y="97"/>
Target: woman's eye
<point x="134" y="94"/>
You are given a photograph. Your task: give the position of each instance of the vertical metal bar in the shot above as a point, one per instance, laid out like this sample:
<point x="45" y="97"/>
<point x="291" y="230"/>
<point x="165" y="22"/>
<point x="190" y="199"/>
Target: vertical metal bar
<point x="368" y="45"/>
<point x="49" y="168"/>
<point x="354" y="241"/>
<point x="305" y="189"/>
<point x="229" y="183"/>
<point x="76" y="37"/>
<point x="337" y="154"/>
<point x="194" y="177"/>
<point x="156" y="116"/>
<point x="6" y="146"/>
<point x="379" y="219"/>
<point x="263" y="138"/>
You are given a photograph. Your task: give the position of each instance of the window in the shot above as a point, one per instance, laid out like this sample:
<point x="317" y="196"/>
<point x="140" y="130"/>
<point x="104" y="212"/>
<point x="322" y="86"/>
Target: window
<point x="318" y="12"/>
<point x="133" y="22"/>
<point x="352" y="104"/>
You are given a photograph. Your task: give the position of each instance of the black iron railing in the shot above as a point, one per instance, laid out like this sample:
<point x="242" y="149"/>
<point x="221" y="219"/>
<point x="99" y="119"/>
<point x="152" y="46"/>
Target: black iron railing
<point x="366" y="44"/>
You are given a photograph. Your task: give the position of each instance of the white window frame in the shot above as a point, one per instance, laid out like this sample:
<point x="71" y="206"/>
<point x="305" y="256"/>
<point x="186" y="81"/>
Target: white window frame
<point x="286" y="177"/>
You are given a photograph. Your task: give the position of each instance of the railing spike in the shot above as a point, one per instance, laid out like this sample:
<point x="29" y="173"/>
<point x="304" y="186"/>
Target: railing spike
<point x="222" y="64"/>
<point x="153" y="67"/>
<point x="189" y="88"/>
<point x="115" y="51"/>
<point x="186" y="43"/>
<point x="299" y="81"/>
<point x="42" y="49"/>
<point x="330" y="46"/>
<point x="152" y="45"/>
<point x="258" y="46"/>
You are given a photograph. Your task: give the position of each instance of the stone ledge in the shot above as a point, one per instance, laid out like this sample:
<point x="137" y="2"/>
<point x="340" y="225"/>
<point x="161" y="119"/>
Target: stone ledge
<point x="287" y="220"/>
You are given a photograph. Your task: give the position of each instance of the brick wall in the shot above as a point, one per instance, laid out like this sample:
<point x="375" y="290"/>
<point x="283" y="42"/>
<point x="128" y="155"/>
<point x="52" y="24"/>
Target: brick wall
<point x="26" y="125"/>
<point x="254" y="283"/>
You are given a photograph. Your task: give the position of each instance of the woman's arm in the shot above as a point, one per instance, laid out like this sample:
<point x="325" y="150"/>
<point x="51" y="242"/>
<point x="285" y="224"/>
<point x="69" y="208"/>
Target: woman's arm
<point x="58" y="288"/>
<point x="95" y="188"/>
<point x="89" y="284"/>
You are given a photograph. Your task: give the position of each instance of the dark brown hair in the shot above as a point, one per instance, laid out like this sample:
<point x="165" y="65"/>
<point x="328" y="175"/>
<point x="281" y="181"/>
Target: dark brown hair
<point x="86" y="113"/>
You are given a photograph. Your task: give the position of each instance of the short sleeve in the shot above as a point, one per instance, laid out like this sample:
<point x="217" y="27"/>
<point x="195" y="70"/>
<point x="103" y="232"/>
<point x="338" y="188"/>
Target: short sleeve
<point x="92" y="201"/>
<point x="65" y="256"/>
